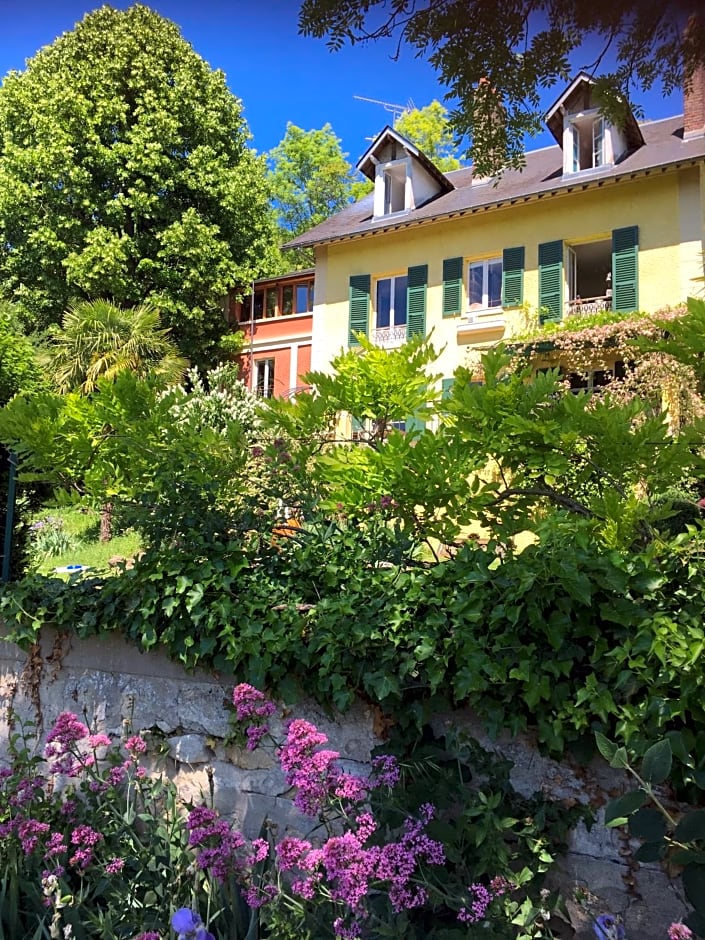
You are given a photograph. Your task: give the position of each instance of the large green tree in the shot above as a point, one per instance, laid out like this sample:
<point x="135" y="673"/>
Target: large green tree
<point x="496" y="59"/>
<point x="125" y="173"/>
<point x="310" y="178"/>
<point x="430" y="130"/>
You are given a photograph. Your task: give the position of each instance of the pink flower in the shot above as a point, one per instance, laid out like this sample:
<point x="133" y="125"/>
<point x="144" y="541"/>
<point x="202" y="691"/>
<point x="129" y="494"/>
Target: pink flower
<point x="679" y="932"/>
<point x="99" y="740"/>
<point x="114" y="866"/>
<point x="136" y="744"/>
<point x="249" y="702"/>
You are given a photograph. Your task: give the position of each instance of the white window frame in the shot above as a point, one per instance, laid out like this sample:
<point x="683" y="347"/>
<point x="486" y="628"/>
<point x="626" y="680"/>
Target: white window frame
<point x="265" y="368"/>
<point x="484" y="304"/>
<point x="392" y="192"/>
<point x="389" y="337"/>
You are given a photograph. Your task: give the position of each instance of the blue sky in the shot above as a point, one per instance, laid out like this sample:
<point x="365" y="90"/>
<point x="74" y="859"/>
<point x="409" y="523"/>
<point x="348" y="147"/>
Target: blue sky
<point x="279" y="75"/>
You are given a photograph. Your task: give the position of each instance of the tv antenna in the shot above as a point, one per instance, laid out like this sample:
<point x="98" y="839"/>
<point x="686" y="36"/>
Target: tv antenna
<point x="396" y="110"/>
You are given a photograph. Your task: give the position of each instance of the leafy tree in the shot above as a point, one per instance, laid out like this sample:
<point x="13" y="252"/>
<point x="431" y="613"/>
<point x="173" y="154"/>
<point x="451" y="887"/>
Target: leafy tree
<point x="98" y="339"/>
<point x="429" y="129"/>
<point x="18" y="365"/>
<point x="125" y="173"/>
<point x="496" y="60"/>
<point x="310" y="180"/>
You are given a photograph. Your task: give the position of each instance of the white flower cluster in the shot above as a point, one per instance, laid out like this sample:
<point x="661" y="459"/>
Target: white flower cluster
<point x="215" y="400"/>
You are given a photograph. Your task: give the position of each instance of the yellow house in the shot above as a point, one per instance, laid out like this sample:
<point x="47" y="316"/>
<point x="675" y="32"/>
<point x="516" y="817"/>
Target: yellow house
<point x="608" y="218"/>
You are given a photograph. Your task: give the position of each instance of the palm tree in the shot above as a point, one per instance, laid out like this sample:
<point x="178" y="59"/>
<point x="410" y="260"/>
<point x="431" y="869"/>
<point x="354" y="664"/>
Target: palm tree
<point x="98" y="339"/>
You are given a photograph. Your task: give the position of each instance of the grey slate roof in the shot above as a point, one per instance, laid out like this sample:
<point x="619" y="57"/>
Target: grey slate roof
<point x="542" y="175"/>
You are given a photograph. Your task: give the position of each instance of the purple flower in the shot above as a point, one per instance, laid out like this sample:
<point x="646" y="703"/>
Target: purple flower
<point x="189" y="926"/>
<point x="608" y="927"/>
<point x="385" y="771"/>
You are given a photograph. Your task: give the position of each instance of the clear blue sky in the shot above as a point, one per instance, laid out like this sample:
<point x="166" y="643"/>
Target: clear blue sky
<point x="279" y="75"/>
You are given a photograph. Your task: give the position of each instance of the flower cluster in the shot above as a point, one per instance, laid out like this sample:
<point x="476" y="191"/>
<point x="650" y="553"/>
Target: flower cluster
<point x="679" y="932"/>
<point x="252" y="706"/>
<point x="348" y="867"/>
<point x="481" y="897"/>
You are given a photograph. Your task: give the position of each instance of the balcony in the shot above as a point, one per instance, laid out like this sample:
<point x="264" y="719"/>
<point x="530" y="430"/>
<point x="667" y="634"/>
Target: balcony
<point x="584" y="305"/>
<point x="389" y="337"/>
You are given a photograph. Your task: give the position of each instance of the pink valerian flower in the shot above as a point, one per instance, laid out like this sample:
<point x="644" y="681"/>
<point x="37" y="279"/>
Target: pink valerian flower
<point x="222" y="849"/>
<point x="26" y="790"/>
<point x="481" y="896"/>
<point x="255" y="733"/>
<point x="385" y="771"/>
<point x="256" y="896"/>
<point x="345" y="931"/>
<point x="249" y="702"/>
<point x="136" y="744"/>
<point x="98" y="740"/>
<point x="29" y="832"/>
<point x="291" y="851"/>
<point x="679" y="932"/>
<point x="114" y="866"/>
<point x="55" y="845"/>
<point x="85" y="839"/>
<point x="67" y="731"/>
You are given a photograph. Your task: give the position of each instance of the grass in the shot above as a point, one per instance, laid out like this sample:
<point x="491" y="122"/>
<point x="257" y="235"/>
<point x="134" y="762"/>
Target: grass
<point x="81" y="527"/>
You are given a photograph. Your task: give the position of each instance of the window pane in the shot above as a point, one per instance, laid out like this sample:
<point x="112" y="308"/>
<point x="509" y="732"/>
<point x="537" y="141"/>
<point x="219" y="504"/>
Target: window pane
<point x="302" y="298"/>
<point x="272" y="301"/>
<point x="287" y="299"/>
<point x="384" y="302"/>
<point x="259" y="304"/>
<point x="475" y="291"/>
<point x="494" y="283"/>
<point x="400" y="285"/>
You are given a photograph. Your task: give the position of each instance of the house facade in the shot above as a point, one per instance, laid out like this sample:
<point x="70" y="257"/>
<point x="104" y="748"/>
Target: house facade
<point x="276" y="316"/>
<point x="608" y="218"/>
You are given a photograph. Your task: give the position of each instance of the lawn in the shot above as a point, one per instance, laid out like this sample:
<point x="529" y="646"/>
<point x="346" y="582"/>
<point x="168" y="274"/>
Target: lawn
<point x="71" y="536"/>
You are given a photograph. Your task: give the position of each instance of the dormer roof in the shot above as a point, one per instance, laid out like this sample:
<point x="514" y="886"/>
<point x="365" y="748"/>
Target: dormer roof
<point x="390" y="141"/>
<point x="577" y="97"/>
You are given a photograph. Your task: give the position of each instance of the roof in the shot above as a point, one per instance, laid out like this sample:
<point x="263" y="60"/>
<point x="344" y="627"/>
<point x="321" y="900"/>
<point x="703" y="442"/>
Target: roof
<point x="580" y="91"/>
<point x="542" y="176"/>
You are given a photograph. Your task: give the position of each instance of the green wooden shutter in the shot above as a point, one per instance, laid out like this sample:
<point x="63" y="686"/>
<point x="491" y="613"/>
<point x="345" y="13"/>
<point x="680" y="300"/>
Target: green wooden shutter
<point x="625" y="269"/>
<point x="447" y="387"/>
<point x="416" y="301"/>
<point x="359" y="307"/>
<point x="452" y="286"/>
<point x="512" y="277"/>
<point x="551" y="281"/>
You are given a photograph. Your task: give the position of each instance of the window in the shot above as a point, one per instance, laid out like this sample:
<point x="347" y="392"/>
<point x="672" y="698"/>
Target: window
<point x="279" y="300"/>
<point x="589" y="136"/>
<point x="304" y="297"/>
<point x="594" y="380"/>
<point x="485" y="284"/>
<point x="264" y="378"/>
<point x="390" y="311"/>
<point x="392" y="193"/>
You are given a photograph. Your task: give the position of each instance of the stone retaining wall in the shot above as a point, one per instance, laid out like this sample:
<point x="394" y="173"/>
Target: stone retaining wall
<point x="113" y="687"/>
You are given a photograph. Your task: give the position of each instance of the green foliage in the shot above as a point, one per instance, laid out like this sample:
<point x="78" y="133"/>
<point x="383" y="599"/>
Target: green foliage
<point x="310" y="180"/>
<point x="98" y="340"/>
<point x="428" y="128"/>
<point x="496" y="67"/>
<point x="682" y="338"/>
<point x="125" y="173"/>
<point x="18" y="365"/>
<point x="49" y="538"/>
<point x="669" y="834"/>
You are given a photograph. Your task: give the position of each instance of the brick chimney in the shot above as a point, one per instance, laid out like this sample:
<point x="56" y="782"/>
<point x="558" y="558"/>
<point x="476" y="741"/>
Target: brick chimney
<point x="694" y="105"/>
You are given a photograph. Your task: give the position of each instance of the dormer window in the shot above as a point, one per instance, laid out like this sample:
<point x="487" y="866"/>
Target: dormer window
<point x="404" y="178"/>
<point x="588" y="140"/>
